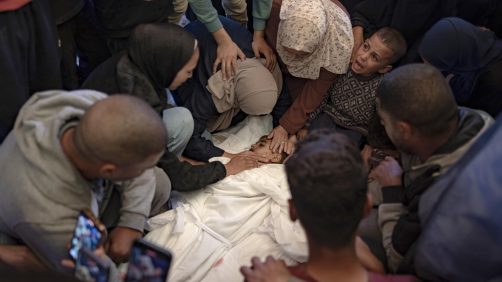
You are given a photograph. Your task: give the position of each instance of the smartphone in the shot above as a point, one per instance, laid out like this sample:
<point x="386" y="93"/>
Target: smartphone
<point x="148" y="262"/>
<point x="89" y="233"/>
<point x="91" y="268"/>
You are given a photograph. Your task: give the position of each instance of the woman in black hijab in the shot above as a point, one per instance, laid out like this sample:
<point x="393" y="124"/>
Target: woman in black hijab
<point x="471" y="58"/>
<point x="160" y="56"/>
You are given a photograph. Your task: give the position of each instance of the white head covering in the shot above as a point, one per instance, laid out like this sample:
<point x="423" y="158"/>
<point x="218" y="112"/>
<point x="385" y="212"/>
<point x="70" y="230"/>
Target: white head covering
<point x="318" y="27"/>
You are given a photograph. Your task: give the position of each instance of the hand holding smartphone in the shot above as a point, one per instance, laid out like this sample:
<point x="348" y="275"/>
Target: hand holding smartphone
<point x="89" y="233"/>
<point x="148" y="262"/>
<point x="91" y="268"/>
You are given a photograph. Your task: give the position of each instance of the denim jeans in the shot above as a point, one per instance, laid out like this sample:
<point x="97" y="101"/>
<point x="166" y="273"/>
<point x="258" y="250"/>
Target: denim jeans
<point x="179" y="125"/>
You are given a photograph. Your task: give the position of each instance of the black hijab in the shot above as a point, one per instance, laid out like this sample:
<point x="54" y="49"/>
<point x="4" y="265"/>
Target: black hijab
<point x="160" y="50"/>
<point x="457" y="47"/>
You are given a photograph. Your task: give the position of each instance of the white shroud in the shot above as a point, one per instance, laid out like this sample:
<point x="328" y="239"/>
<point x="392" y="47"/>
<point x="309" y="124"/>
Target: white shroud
<point x="214" y="231"/>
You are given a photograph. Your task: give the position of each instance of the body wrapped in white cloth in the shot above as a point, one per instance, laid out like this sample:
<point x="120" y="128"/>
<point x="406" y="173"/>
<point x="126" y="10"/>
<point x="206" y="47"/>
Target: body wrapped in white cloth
<point x="214" y="231"/>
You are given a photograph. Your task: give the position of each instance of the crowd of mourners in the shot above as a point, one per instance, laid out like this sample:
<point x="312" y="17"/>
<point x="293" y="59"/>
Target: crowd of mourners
<point x="385" y="111"/>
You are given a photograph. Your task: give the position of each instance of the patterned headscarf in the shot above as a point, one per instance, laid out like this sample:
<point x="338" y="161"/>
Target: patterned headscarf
<point x="320" y="28"/>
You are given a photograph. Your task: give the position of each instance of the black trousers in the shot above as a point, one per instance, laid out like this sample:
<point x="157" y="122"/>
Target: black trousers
<point x="323" y="120"/>
<point x="81" y="37"/>
<point x="29" y="59"/>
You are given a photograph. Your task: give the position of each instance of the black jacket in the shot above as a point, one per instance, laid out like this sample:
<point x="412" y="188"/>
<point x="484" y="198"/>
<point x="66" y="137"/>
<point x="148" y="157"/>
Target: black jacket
<point x="105" y="78"/>
<point x="119" y="17"/>
<point x="64" y="10"/>
<point x="186" y="177"/>
<point x="411" y="17"/>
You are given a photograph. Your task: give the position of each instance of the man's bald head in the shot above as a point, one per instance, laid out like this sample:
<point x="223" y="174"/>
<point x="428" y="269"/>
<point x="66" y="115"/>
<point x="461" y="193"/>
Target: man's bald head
<point x="419" y="95"/>
<point x="122" y="130"/>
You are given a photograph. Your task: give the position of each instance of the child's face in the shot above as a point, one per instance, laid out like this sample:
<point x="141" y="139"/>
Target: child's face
<point x="262" y="148"/>
<point x="372" y="57"/>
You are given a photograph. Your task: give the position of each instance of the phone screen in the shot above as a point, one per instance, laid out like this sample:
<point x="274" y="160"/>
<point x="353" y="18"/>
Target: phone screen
<point x="148" y="262"/>
<point x="91" y="268"/>
<point x="86" y="235"/>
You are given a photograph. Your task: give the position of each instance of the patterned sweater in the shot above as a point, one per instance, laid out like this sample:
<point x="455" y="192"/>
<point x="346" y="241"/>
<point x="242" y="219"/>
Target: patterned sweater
<point x="350" y="101"/>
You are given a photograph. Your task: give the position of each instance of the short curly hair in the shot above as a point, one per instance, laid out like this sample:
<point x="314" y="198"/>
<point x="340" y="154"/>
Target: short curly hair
<point x="328" y="184"/>
<point x="394" y="40"/>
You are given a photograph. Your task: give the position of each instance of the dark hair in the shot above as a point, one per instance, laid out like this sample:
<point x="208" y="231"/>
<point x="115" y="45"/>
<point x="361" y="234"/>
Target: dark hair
<point x="419" y="95"/>
<point x="328" y="185"/>
<point x="394" y="40"/>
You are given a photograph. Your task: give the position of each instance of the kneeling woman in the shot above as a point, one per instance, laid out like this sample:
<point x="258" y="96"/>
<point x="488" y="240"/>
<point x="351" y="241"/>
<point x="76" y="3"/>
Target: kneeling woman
<point x="160" y="56"/>
<point x="216" y="104"/>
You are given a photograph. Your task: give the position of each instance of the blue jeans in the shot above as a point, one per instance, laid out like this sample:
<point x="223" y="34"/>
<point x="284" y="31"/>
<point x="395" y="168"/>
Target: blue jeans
<point x="179" y="124"/>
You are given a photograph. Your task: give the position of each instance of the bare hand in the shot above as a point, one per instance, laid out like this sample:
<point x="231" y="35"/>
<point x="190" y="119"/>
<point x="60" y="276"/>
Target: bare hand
<point x="291" y="145"/>
<point x="279" y="137"/>
<point x="260" y="46"/>
<point x="357" y="31"/>
<point x="301" y="134"/>
<point x="20" y="257"/>
<point x="367" y="258"/>
<point x="387" y="173"/>
<point x="226" y="54"/>
<point x="255" y="156"/>
<point x="241" y="163"/>
<point x="366" y="155"/>
<point x="120" y="242"/>
<point x="271" y="270"/>
<point x="69" y="263"/>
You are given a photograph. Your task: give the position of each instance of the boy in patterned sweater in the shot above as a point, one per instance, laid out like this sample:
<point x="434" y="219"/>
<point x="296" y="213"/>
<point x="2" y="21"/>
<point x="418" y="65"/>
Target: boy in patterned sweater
<point x="349" y="104"/>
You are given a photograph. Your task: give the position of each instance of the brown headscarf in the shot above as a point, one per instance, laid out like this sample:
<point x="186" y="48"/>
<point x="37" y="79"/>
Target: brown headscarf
<point x="253" y="89"/>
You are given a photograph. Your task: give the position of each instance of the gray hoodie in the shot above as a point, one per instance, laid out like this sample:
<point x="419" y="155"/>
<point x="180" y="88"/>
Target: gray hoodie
<point x="41" y="193"/>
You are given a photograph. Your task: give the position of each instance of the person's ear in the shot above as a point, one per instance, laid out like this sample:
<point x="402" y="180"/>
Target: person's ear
<point x="368" y="205"/>
<point x="405" y="130"/>
<point x="292" y="210"/>
<point x="107" y="170"/>
<point x="385" y="69"/>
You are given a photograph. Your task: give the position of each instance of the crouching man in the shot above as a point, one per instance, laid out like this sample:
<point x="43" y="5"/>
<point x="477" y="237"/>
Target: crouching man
<point x="74" y="150"/>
